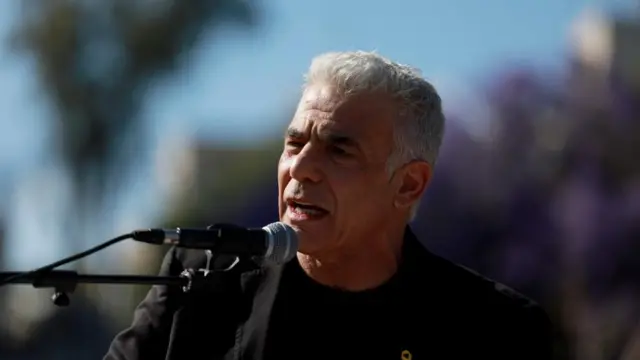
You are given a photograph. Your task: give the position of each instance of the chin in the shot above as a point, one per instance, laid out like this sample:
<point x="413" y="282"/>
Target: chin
<point x="304" y="238"/>
<point x="312" y="245"/>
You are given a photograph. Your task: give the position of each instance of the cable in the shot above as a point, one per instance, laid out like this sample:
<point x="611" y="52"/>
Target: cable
<point x="67" y="260"/>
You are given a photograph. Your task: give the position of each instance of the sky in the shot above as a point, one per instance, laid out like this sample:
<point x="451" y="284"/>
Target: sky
<point x="238" y="81"/>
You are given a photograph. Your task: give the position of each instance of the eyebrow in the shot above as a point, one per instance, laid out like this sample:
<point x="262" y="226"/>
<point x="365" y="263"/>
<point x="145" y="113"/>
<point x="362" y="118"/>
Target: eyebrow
<point x="294" y="133"/>
<point x="330" y="137"/>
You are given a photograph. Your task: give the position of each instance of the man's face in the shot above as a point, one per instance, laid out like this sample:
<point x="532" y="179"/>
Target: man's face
<point x="333" y="185"/>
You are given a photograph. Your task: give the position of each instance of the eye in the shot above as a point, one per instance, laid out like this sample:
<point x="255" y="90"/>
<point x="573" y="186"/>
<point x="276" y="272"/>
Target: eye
<point x="293" y="145"/>
<point x="337" y="150"/>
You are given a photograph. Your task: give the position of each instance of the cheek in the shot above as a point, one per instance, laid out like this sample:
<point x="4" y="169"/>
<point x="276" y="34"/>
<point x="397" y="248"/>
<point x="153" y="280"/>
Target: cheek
<point x="284" y="163"/>
<point x="283" y="180"/>
<point x="350" y="187"/>
<point x="363" y="191"/>
<point x="283" y="176"/>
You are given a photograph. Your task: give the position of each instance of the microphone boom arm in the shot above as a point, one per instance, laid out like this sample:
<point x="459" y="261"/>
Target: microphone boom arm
<point x="64" y="282"/>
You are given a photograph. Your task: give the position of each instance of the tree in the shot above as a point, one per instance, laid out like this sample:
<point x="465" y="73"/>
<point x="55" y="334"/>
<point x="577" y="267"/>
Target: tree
<point x="547" y="204"/>
<point x="95" y="59"/>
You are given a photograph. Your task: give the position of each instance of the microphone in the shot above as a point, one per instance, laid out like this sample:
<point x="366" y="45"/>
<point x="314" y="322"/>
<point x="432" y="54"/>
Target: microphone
<point x="275" y="242"/>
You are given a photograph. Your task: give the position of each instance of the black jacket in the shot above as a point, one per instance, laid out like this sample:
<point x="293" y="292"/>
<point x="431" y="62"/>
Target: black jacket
<point x="450" y="311"/>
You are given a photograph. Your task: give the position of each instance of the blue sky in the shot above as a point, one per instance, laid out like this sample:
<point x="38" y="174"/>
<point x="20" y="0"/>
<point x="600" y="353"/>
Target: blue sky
<point x="254" y="77"/>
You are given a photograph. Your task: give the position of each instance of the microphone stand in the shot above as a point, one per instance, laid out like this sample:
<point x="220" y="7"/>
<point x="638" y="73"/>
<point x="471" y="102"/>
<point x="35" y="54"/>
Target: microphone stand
<point x="64" y="282"/>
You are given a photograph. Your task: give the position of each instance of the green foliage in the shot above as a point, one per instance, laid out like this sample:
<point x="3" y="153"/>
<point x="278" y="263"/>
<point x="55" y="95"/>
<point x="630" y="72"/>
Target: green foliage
<point x="95" y="60"/>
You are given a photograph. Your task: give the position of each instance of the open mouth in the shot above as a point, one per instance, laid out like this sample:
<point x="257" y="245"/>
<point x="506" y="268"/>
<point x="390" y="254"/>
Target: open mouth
<point x="305" y="209"/>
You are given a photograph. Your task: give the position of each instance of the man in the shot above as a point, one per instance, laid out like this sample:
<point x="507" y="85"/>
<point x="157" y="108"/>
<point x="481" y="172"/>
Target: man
<point x="358" y="156"/>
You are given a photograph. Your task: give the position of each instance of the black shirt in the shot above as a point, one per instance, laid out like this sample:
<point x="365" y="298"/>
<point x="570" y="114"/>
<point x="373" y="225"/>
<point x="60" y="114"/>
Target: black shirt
<point x="312" y="321"/>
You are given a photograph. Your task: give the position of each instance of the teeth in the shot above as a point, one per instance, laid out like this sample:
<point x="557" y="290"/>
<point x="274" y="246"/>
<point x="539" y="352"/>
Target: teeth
<point x="299" y="204"/>
<point x="306" y="209"/>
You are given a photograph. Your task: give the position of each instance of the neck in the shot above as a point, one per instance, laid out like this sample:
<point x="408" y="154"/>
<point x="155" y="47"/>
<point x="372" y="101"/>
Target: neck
<point x="356" y="270"/>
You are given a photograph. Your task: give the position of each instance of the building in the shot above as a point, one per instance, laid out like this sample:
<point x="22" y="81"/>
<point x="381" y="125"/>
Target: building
<point x="608" y="46"/>
<point x="204" y="183"/>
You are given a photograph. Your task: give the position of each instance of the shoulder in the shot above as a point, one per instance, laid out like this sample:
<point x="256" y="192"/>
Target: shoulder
<point x="498" y="314"/>
<point x="434" y="279"/>
<point x="487" y="291"/>
<point x="467" y="289"/>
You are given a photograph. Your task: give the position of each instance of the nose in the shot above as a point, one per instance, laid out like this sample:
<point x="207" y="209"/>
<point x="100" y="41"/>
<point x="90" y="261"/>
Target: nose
<point x="305" y="166"/>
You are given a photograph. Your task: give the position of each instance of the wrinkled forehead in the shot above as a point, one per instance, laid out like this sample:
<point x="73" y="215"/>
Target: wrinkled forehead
<point x="363" y="111"/>
<point x="321" y="97"/>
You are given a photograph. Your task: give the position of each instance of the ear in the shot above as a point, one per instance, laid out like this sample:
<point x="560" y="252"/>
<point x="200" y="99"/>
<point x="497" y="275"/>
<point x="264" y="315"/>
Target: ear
<point x="413" y="179"/>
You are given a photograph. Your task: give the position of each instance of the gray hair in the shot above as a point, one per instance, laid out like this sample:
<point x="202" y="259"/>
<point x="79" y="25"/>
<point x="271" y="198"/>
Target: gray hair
<point x="420" y="127"/>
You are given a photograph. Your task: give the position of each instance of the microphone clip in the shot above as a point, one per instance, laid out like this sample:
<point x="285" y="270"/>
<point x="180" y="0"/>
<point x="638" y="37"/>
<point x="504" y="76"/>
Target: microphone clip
<point x="207" y="277"/>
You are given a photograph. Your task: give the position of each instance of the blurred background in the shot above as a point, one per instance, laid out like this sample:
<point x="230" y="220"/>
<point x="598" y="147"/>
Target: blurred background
<point x="123" y="114"/>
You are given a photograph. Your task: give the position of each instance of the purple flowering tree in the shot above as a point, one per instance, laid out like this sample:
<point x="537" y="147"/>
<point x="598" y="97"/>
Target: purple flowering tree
<point x="550" y="203"/>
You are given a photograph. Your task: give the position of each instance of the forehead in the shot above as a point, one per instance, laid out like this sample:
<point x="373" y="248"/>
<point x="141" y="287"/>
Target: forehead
<point x="367" y="116"/>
